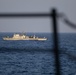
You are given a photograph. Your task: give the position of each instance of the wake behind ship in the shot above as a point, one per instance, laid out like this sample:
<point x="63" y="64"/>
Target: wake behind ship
<point x="23" y="37"/>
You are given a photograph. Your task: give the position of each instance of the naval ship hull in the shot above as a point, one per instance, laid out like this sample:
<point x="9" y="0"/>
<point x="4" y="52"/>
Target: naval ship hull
<point x="41" y="39"/>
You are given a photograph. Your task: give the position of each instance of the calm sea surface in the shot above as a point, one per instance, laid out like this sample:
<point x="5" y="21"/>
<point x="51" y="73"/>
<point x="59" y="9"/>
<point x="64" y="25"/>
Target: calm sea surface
<point x="37" y="57"/>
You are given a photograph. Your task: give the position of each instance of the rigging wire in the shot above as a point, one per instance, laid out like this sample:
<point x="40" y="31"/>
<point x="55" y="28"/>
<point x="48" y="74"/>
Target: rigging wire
<point x="67" y="21"/>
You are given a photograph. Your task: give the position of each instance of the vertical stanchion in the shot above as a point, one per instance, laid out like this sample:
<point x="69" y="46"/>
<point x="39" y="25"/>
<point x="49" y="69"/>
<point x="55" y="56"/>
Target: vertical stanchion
<point x="55" y="38"/>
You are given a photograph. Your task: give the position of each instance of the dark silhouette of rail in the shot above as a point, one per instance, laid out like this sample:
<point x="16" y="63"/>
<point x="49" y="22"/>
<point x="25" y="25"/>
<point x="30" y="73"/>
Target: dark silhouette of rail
<point x="55" y="39"/>
<point x="7" y="15"/>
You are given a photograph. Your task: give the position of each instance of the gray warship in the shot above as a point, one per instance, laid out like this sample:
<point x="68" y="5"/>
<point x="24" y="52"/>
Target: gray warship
<point x="24" y="37"/>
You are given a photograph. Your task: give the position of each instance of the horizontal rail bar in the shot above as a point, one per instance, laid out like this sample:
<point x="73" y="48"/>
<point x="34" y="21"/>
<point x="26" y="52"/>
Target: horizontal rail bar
<point x="25" y="15"/>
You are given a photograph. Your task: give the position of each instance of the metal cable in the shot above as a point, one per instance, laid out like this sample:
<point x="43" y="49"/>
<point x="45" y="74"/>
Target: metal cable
<point x="67" y="21"/>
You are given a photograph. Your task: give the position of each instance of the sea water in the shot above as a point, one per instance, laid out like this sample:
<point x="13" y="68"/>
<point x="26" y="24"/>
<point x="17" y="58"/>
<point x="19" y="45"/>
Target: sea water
<point x="37" y="57"/>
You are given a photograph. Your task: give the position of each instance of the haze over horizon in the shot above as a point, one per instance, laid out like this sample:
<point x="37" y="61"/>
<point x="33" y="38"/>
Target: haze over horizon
<point x="36" y="24"/>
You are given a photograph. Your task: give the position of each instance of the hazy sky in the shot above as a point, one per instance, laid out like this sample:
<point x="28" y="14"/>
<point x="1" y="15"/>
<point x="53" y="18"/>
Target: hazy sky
<point x="67" y="7"/>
